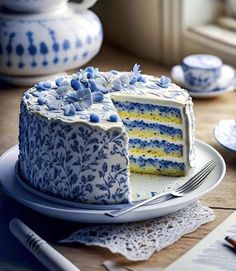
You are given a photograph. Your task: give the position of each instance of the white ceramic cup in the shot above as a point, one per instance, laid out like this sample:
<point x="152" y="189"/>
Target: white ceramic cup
<point x="201" y="72"/>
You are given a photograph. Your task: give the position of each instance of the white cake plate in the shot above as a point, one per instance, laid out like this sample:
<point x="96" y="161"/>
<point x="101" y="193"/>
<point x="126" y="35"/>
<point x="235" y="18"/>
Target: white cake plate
<point x="225" y="134"/>
<point x="225" y="83"/>
<point x="19" y="193"/>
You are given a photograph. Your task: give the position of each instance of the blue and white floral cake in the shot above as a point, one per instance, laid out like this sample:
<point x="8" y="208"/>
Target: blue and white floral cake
<point x="82" y="135"/>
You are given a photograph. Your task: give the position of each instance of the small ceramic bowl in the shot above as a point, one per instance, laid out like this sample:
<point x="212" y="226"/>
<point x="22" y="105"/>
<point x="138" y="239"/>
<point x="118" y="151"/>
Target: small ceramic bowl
<point x="43" y="44"/>
<point x="201" y="71"/>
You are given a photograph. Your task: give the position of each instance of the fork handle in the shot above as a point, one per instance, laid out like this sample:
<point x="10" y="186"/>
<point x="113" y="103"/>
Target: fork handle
<point x="157" y="198"/>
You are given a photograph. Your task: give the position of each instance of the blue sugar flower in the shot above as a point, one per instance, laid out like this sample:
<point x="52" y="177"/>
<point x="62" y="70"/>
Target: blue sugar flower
<point x="116" y="85"/>
<point x="26" y="94"/>
<point x="44" y="85"/>
<point x="114" y="118"/>
<point x="92" y="85"/>
<point x="42" y="100"/>
<point x="54" y="105"/>
<point x="75" y="84"/>
<point x="101" y="84"/>
<point x="94" y="118"/>
<point x="137" y="76"/>
<point x="59" y="81"/>
<point x="62" y="89"/>
<point x="69" y="110"/>
<point x="164" y="82"/>
<point x="91" y="72"/>
<point x="81" y="76"/>
<point x="37" y="93"/>
<point x="136" y="69"/>
<point x="124" y="79"/>
<point x="37" y="108"/>
<point x="81" y="99"/>
<point x="97" y="96"/>
<point x="140" y="78"/>
<point x="133" y="81"/>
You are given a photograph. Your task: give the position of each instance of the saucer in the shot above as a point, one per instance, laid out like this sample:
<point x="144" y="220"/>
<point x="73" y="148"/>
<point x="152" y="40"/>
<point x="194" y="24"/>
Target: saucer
<point x="226" y="82"/>
<point x="225" y="134"/>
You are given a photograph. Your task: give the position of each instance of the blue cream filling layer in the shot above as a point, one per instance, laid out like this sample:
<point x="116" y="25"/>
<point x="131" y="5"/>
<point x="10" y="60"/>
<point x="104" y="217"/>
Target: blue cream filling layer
<point x="160" y="128"/>
<point x="157" y="163"/>
<point x="144" y="108"/>
<point x="156" y="144"/>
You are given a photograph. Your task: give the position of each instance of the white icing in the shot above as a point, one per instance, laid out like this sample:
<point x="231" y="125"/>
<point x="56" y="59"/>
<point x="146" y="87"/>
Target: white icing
<point x="173" y="95"/>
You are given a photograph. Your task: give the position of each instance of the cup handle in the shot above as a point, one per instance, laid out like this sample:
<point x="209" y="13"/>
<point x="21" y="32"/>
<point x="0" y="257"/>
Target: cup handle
<point x="85" y="4"/>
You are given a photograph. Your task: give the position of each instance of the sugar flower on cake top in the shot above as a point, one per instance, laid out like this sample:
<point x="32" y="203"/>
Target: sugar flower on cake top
<point x="84" y="88"/>
<point x="79" y="93"/>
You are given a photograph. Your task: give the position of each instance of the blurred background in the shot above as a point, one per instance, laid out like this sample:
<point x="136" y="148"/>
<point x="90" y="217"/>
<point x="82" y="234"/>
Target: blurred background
<point x="42" y="38"/>
<point x="164" y="31"/>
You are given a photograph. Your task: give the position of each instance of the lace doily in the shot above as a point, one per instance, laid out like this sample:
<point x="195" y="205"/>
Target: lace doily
<point x="138" y="241"/>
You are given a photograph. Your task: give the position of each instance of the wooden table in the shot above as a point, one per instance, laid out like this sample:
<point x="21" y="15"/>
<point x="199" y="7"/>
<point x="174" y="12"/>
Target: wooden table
<point x="223" y="199"/>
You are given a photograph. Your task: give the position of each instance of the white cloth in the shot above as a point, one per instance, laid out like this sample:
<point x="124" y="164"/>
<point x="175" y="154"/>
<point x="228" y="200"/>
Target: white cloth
<point x="138" y="241"/>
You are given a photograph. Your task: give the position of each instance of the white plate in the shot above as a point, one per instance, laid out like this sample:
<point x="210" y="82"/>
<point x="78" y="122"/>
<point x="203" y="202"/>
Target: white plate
<point x="225" y="134"/>
<point x="56" y="210"/>
<point x="143" y="186"/>
<point x="226" y="82"/>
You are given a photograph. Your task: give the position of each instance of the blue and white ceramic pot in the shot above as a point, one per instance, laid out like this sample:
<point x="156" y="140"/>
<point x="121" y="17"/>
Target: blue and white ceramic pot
<point x="32" y="5"/>
<point x="48" y="43"/>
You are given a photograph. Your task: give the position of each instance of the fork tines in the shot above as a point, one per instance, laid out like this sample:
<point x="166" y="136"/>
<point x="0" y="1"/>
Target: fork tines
<point x="197" y="179"/>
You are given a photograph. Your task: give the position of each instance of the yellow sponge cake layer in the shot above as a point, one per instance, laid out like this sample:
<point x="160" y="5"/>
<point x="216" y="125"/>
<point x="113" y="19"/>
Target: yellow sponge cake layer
<point x="157" y="148"/>
<point x="157" y="171"/>
<point x="152" y="134"/>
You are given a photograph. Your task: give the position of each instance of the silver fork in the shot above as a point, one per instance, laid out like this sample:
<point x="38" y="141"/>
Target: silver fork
<point x="181" y="191"/>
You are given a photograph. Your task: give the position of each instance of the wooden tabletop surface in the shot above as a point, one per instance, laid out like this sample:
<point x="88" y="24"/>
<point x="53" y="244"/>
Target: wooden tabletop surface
<point x="222" y="199"/>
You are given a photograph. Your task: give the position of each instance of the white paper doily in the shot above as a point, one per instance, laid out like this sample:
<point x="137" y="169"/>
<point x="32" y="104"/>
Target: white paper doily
<point x="138" y="241"/>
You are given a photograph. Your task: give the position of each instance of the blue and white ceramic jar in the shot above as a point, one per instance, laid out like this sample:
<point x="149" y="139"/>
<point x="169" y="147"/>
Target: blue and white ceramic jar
<point x="201" y="72"/>
<point x="33" y="5"/>
<point x="34" y="45"/>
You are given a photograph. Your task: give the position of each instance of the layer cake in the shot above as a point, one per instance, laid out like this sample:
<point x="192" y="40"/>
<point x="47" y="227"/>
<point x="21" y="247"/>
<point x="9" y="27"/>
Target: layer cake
<point x="81" y="135"/>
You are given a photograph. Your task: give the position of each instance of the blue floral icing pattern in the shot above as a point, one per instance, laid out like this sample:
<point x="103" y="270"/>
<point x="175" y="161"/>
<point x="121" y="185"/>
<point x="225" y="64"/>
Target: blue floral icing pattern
<point x="74" y="162"/>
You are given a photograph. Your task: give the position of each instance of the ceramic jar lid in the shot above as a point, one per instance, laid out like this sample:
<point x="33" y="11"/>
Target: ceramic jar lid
<point x="38" y="6"/>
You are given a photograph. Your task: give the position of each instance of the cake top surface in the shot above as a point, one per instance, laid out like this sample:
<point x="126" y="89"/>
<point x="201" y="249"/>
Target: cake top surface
<point x="87" y="96"/>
